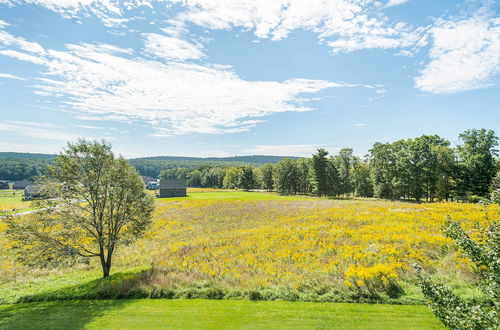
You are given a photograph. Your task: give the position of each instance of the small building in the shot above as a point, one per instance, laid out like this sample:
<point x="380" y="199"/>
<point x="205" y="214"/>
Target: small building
<point x="153" y="185"/>
<point x="30" y="192"/>
<point x="172" y="188"/>
<point x="4" y="184"/>
<point x="18" y="185"/>
<point x="147" y="179"/>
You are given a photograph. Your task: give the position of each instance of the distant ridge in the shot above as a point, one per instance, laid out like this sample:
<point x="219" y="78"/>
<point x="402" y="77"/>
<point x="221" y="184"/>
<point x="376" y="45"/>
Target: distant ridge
<point x="26" y="155"/>
<point x="256" y="159"/>
<point x="21" y="165"/>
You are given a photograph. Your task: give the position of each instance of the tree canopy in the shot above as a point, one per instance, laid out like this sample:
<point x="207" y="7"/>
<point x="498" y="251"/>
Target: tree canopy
<point x="99" y="204"/>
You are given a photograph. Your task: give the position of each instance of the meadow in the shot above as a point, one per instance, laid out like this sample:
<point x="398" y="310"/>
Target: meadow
<point x="12" y="200"/>
<point x="261" y="246"/>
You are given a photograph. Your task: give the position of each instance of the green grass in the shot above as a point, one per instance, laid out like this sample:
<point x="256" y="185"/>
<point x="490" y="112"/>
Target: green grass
<point x="212" y="314"/>
<point x="235" y="195"/>
<point x="13" y="199"/>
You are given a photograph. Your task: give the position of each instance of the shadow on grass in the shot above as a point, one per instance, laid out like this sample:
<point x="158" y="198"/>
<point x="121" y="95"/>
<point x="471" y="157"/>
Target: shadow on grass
<point x="69" y="307"/>
<point x="100" y="288"/>
<point x="56" y="314"/>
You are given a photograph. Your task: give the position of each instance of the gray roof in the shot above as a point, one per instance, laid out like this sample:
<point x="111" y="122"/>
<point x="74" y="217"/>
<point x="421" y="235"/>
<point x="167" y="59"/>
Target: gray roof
<point x="173" y="183"/>
<point x="22" y="184"/>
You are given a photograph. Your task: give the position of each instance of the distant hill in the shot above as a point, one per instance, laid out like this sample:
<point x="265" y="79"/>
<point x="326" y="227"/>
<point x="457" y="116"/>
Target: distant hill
<point x="254" y="159"/>
<point x="20" y="166"/>
<point x="26" y="155"/>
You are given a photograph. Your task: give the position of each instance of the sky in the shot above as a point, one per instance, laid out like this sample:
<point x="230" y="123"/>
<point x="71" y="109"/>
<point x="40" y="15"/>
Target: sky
<point x="245" y="77"/>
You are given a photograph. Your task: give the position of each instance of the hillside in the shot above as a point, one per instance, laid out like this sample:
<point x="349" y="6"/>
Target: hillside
<point x="25" y="155"/>
<point x="19" y="166"/>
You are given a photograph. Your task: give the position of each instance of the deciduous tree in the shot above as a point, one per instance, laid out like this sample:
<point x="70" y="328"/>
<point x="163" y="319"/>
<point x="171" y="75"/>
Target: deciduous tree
<point x="100" y="205"/>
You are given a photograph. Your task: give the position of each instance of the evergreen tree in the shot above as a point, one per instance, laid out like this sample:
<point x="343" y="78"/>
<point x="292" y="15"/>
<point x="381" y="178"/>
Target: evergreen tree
<point x="320" y="170"/>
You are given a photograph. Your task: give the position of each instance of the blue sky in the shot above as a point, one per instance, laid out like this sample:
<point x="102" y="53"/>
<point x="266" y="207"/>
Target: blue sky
<point x="236" y="77"/>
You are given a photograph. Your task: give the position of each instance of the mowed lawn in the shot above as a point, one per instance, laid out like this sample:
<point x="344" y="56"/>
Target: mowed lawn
<point x="212" y="314"/>
<point x="235" y="195"/>
<point x="13" y="199"/>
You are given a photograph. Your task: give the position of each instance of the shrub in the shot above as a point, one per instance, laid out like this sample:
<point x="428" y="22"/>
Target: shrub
<point x="370" y="281"/>
<point x="451" y="309"/>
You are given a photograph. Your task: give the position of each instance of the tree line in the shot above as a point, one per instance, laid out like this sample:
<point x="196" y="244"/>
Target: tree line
<point x="422" y="168"/>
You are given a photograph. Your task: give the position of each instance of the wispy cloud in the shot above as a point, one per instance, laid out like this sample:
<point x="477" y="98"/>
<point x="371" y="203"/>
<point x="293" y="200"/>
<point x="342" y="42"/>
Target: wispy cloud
<point x="102" y="82"/>
<point x="299" y="150"/>
<point x="465" y="55"/>
<point x="392" y="3"/>
<point x="90" y="127"/>
<point x="172" y="48"/>
<point x="10" y="76"/>
<point x="46" y="131"/>
<point x="10" y="146"/>
<point x="345" y="25"/>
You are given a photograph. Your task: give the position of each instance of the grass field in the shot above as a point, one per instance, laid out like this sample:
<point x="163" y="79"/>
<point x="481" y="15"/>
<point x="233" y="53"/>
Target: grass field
<point x="210" y="314"/>
<point x="234" y="195"/>
<point x="239" y="246"/>
<point x="13" y="200"/>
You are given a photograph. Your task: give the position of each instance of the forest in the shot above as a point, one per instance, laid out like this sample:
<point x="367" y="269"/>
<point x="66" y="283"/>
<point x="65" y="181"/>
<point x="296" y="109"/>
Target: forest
<point x="427" y="167"/>
<point x="422" y="168"/>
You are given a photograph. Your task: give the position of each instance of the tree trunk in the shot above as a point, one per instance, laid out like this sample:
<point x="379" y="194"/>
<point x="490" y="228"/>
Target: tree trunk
<point x="106" y="265"/>
<point x="105" y="270"/>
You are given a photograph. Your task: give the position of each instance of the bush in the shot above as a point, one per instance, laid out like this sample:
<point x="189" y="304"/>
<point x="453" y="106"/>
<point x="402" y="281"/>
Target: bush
<point x="474" y="199"/>
<point x="369" y="282"/>
<point x="452" y="310"/>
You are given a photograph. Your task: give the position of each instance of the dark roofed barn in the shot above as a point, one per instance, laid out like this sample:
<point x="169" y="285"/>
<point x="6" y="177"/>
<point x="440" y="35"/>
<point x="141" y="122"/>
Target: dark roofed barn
<point x="30" y="192"/>
<point x="172" y="188"/>
<point x="21" y="184"/>
<point x="4" y="184"/>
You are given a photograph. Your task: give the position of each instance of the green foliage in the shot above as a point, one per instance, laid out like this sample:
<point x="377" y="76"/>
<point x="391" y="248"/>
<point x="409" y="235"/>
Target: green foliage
<point x="16" y="169"/>
<point x="232" y="178"/>
<point x="321" y="175"/>
<point x="477" y="153"/>
<point x="286" y="177"/>
<point x="361" y="182"/>
<point x="266" y="175"/>
<point x="454" y="311"/>
<point x="421" y="168"/>
<point x="343" y="163"/>
<point x="246" y="178"/>
<point x="100" y="204"/>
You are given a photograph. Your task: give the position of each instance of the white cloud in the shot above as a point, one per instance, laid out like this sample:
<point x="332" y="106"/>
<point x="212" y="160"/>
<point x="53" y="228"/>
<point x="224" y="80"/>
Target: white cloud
<point x="299" y="150"/>
<point x="8" y="40"/>
<point x="45" y="131"/>
<point x="10" y="76"/>
<point x="359" y="125"/>
<point x="345" y="25"/>
<point x="90" y="127"/>
<point x="172" y="48"/>
<point x="10" y="146"/>
<point x="70" y="8"/>
<point x="100" y="81"/>
<point x="392" y="3"/>
<point x="465" y="55"/>
<point x="21" y="56"/>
